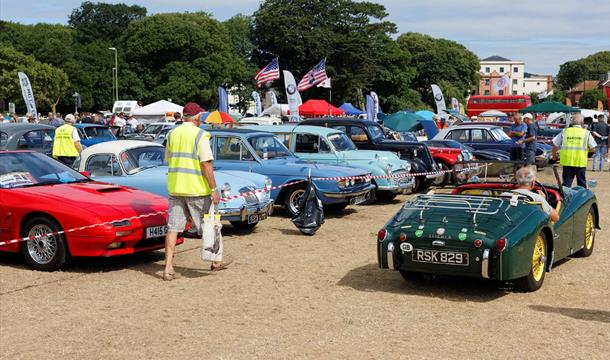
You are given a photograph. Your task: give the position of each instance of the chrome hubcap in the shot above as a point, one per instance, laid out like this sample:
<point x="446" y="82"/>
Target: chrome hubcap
<point x="295" y="200"/>
<point x="42" y="249"/>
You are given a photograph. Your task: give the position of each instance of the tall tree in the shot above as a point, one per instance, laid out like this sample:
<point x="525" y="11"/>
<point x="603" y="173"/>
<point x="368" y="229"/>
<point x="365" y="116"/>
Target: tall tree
<point x="181" y="56"/>
<point x="49" y="83"/>
<point x="350" y="34"/>
<point x="591" y="97"/>
<point x="589" y="68"/>
<point x="102" y="21"/>
<point x="440" y="60"/>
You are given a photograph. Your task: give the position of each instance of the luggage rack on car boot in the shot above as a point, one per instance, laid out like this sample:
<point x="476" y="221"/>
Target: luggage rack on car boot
<point x="474" y="205"/>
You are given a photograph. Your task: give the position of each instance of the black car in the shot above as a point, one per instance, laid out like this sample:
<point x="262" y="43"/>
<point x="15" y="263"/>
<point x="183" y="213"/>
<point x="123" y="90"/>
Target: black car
<point x="22" y="136"/>
<point x="369" y="135"/>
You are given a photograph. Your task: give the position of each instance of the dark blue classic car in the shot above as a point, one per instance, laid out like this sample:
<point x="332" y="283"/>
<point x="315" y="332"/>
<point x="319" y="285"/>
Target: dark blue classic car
<point x="91" y="134"/>
<point x="263" y="153"/>
<point x="489" y="137"/>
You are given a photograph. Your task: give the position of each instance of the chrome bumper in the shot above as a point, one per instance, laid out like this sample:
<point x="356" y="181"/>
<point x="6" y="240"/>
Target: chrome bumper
<point x="348" y="195"/>
<point x="485" y="264"/>
<point x="407" y="183"/>
<point x="434" y="176"/>
<point x="242" y="213"/>
<point x="390" y="256"/>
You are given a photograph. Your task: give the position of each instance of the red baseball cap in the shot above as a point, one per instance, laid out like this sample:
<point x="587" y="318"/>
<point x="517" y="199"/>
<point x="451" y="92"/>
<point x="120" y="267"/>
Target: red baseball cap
<point x="192" y="109"/>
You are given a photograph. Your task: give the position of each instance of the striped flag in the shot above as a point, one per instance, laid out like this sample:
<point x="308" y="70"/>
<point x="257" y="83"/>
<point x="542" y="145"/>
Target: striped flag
<point x="315" y="76"/>
<point x="268" y="73"/>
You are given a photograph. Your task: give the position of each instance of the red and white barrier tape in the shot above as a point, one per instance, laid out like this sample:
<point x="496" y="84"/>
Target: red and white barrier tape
<point x="55" y="233"/>
<point x="225" y="199"/>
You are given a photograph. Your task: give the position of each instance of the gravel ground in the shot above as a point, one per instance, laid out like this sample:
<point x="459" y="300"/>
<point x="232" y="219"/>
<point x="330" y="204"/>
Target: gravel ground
<point x="290" y="296"/>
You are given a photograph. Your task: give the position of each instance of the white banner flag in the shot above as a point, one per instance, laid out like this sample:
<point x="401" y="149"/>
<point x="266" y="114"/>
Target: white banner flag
<point x="501" y="83"/>
<point x="272" y="97"/>
<point x="293" y="96"/>
<point x="441" y="107"/>
<point x="28" y="94"/>
<point x="375" y="104"/>
<point x="258" y="107"/>
<point x="325" y="84"/>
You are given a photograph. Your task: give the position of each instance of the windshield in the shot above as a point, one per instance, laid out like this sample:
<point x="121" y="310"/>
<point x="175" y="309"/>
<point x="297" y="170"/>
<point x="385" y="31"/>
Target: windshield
<point x="95" y="132"/>
<point x="341" y="142"/>
<point x="137" y="159"/>
<point x="33" y="169"/>
<point x="268" y="147"/>
<point x="155" y="128"/>
<point x="499" y="134"/>
<point x="376" y="132"/>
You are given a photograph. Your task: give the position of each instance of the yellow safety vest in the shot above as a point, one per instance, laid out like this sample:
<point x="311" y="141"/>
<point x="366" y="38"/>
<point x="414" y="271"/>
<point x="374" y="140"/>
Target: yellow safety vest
<point x="63" y="145"/>
<point x="574" y="149"/>
<point x="185" y="176"/>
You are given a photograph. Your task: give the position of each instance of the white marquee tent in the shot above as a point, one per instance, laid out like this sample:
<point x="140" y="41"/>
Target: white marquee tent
<point x="156" y="111"/>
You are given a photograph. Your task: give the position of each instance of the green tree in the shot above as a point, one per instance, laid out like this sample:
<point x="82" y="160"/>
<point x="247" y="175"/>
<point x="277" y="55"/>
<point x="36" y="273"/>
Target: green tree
<point x="351" y="35"/>
<point x="440" y="61"/>
<point x="590" y="98"/>
<point x="49" y="83"/>
<point x="181" y="56"/>
<point x="102" y="21"/>
<point x="534" y="97"/>
<point x="588" y="68"/>
<point x="239" y="27"/>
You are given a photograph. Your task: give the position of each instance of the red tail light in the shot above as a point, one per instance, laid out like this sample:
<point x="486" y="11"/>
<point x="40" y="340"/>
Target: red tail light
<point x="501" y="244"/>
<point x="402" y="237"/>
<point x="478" y="243"/>
<point x="382" y="234"/>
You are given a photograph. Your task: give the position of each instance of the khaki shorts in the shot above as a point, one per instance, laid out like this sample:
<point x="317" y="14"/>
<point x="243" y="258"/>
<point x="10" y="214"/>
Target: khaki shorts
<point x="181" y="208"/>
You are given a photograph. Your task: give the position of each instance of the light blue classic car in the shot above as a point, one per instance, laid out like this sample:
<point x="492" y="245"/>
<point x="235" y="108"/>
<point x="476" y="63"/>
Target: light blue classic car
<point x="331" y="146"/>
<point x="261" y="152"/>
<point x="141" y="165"/>
<point x="91" y="134"/>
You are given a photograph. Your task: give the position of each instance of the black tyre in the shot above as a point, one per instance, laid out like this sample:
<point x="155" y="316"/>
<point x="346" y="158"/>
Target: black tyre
<point x="534" y="279"/>
<point x="243" y="225"/>
<point x="423" y="184"/>
<point x="443" y="179"/>
<point x="386" y="195"/>
<point x="293" y="199"/>
<point x="372" y="197"/>
<point x="589" y="240"/>
<point x="47" y="253"/>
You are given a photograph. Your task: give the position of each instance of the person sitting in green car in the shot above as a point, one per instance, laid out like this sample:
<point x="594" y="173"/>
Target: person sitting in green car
<point x="526" y="182"/>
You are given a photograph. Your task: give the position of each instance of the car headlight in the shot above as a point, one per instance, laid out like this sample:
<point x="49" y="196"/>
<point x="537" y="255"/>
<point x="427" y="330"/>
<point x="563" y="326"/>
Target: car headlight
<point x="225" y="190"/>
<point x="388" y="169"/>
<point x="268" y="184"/>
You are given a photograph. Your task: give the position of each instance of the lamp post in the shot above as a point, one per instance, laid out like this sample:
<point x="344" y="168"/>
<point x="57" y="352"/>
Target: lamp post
<point x="115" y="74"/>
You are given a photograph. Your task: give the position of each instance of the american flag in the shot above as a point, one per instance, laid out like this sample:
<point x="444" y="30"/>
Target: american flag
<point x="268" y="73"/>
<point x="315" y="76"/>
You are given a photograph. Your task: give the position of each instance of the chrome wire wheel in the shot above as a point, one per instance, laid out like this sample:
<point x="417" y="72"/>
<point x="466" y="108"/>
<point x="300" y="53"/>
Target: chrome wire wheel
<point x="43" y="248"/>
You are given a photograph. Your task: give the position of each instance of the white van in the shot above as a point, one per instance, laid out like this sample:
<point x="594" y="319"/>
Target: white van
<point x="262" y="120"/>
<point x="125" y="106"/>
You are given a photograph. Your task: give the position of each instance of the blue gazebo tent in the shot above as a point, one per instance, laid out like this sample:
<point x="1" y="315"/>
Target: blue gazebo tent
<point x="350" y="109"/>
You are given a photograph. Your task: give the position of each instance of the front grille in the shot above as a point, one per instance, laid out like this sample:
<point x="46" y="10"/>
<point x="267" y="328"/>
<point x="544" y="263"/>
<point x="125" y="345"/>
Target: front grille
<point x="150" y="242"/>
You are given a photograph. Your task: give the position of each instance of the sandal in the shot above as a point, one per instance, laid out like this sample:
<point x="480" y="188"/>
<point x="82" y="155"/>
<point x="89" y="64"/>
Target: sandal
<point x="220" y="267"/>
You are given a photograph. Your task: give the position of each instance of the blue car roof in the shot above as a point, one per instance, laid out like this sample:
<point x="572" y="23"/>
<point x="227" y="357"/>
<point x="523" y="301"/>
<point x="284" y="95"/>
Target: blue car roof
<point x="290" y="128"/>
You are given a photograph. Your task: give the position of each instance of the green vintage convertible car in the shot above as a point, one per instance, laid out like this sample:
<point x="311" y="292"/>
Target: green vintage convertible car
<point x="484" y="230"/>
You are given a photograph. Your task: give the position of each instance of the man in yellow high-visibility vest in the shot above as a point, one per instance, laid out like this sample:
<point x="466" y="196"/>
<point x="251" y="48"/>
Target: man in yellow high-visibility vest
<point x="190" y="182"/>
<point x="574" y="144"/>
<point x="66" y="145"/>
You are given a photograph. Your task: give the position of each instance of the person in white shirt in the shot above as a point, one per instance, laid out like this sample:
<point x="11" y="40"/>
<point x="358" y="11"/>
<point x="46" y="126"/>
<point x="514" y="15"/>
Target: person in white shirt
<point x="119" y="121"/>
<point x="132" y="122"/>
<point x="526" y="181"/>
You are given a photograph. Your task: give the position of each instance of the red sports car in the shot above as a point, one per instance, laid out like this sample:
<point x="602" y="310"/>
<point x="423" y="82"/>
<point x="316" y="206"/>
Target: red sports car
<point x="40" y="196"/>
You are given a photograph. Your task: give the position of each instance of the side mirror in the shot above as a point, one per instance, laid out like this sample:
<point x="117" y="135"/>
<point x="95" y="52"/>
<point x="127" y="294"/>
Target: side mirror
<point x="85" y="173"/>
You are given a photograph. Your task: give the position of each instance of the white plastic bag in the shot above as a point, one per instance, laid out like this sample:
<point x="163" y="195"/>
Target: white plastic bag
<point x="211" y="248"/>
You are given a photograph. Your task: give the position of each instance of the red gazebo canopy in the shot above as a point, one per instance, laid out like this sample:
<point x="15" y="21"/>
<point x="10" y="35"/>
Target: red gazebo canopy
<point x="313" y="108"/>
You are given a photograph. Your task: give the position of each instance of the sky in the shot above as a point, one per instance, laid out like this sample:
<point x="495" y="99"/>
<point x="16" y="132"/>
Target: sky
<point x="543" y="33"/>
